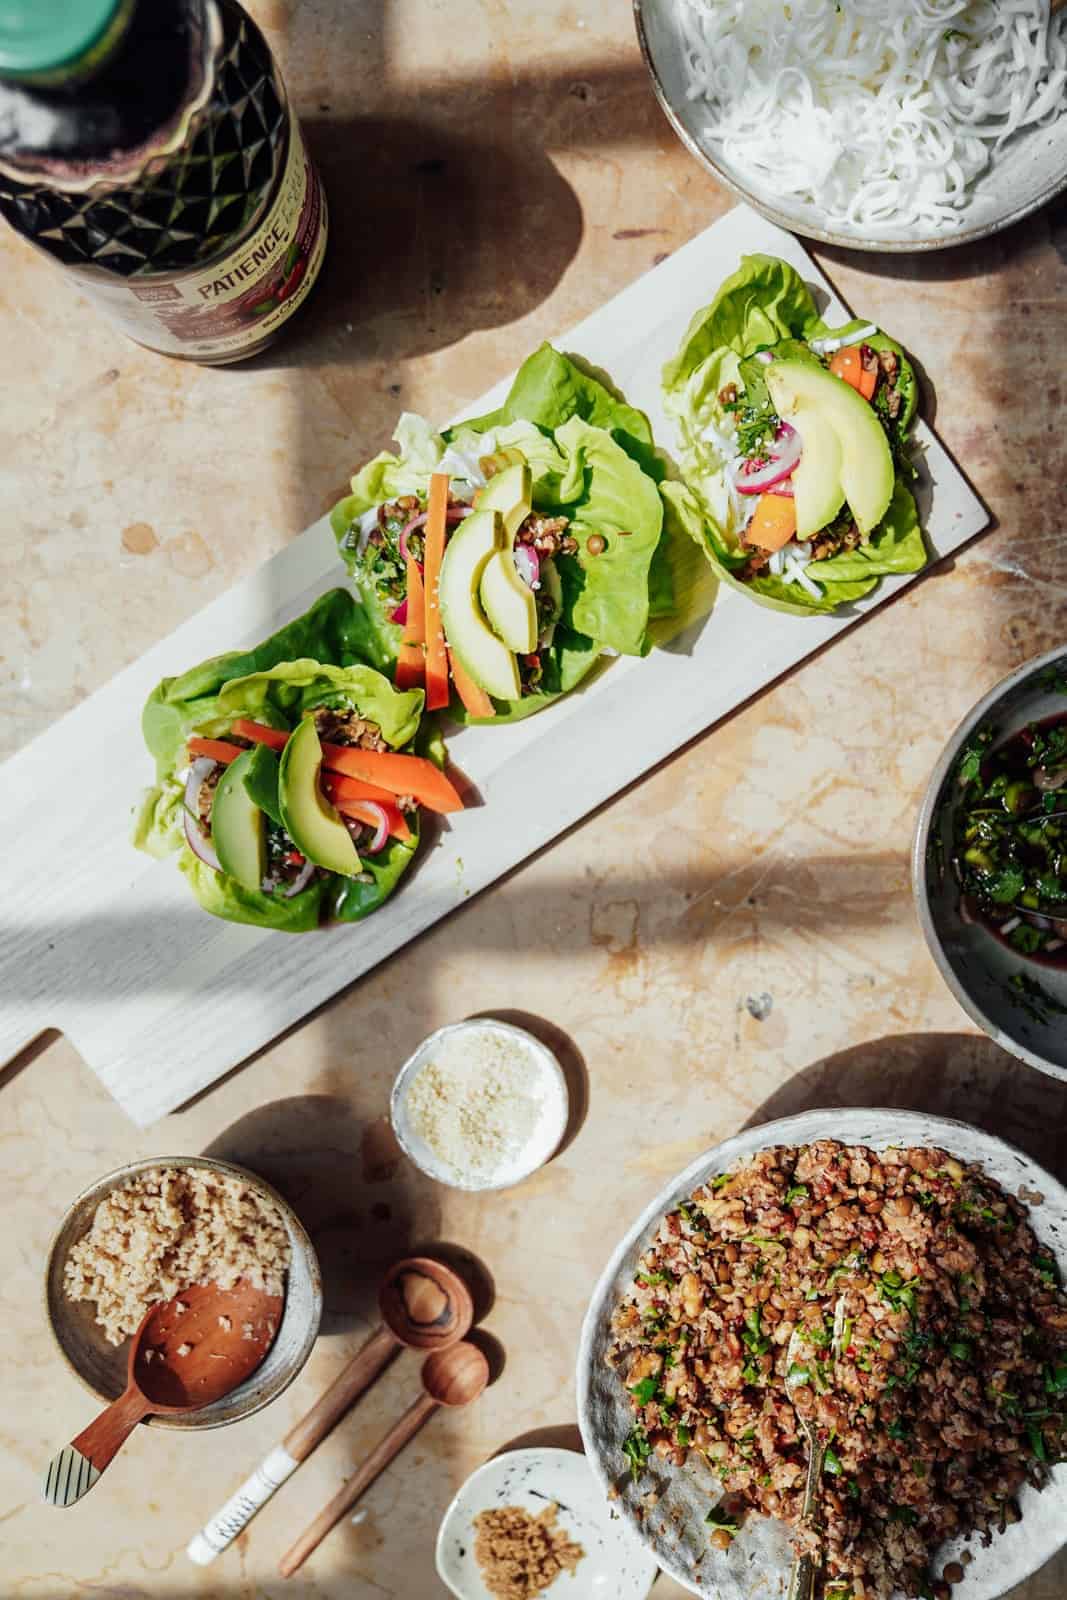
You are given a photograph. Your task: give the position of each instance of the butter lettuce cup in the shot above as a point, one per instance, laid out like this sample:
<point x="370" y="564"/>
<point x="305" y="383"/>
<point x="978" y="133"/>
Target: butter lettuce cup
<point x="792" y="443"/>
<point x="291" y="785"/>
<point x="543" y="539"/>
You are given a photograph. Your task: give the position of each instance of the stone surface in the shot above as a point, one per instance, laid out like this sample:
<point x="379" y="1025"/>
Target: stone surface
<point x="731" y="940"/>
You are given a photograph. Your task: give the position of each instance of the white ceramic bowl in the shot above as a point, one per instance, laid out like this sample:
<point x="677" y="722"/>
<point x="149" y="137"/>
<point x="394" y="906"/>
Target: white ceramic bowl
<point x="1029" y="172"/>
<point x="101" y="1366"/>
<point x="759" y="1559"/>
<point x="553" y="1125"/>
<point x="614" y="1567"/>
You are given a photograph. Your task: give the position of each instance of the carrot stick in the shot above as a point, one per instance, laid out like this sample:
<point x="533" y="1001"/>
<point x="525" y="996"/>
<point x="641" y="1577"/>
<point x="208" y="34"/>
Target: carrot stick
<point x="437" y="694"/>
<point x="217" y="749"/>
<point x="848" y="365"/>
<point x="472" y="694"/>
<point x="774" y="524"/>
<point x="415" y="626"/>
<point x="259" y="733"/>
<point x="412" y="775"/>
<point x="410" y="658"/>
<point x="339" y="788"/>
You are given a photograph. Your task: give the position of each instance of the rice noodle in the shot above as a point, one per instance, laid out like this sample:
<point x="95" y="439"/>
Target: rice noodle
<point x="880" y="112"/>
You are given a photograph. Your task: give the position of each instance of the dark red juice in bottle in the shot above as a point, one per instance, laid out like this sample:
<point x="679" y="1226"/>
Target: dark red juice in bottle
<point x="148" y="147"/>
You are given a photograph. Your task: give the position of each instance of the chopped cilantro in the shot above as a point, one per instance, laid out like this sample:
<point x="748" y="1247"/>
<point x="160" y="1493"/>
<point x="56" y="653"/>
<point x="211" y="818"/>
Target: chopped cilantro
<point x="898" y="1429"/>
<point x="647" y="1279"/>
<point x="831" y="1461"/>
<point x="1037" y="1441"/>
<point x="637" y="1450"/>
<point x="1056" y="1379"/>
<point x="682" y="1436"/>
<point x="961" y="1349"/>
<point x="799" y="1191"/>
<point x="645" y="1391"/>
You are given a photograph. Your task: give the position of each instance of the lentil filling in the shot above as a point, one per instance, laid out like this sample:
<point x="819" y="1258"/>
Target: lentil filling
<point x="933" y="1327"/>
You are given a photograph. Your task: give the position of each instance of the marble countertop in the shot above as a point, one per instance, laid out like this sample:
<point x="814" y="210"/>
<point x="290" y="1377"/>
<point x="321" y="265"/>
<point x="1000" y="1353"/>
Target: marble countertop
<point x="731" y="940"/>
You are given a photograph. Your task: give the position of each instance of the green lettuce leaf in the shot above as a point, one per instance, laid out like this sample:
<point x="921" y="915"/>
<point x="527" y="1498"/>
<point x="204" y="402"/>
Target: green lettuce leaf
<point x="609" y="600"/>
<point x="261" y="782"/>
<point x="224" y="897"/>
<point x="763" y="302"/>
<point x="352" y="899"/>
<point x="896" y="545"/>
<point x="550" y="388"/>
<point x="281" y="695"/>
<point x="156" y="824"/>
<point x="332" y="630"/>
<point x="267" y="686"/>
<point x="767" y="305"/>
<point x="593" y="459"/>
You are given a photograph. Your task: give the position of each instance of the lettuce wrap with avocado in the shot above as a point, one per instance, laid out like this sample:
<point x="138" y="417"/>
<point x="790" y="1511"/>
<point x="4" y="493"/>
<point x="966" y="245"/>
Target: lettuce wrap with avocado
<point x="590" y="547"/>
<point x="792" y="444"/>
<point x="266" y="762"/>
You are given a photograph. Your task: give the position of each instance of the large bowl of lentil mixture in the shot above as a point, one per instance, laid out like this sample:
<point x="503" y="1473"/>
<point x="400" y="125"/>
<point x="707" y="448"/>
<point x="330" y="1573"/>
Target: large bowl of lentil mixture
<point x="922" y="1261"/>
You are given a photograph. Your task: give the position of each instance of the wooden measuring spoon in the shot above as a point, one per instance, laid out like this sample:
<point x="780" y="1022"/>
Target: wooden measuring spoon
<point x="187" y="1353"/>
<point x="424" y="1306"/>
<point x="451" y="1377"/>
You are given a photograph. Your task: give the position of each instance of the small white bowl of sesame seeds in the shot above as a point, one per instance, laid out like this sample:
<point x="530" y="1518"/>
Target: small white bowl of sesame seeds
<point x="480" y="1105"/>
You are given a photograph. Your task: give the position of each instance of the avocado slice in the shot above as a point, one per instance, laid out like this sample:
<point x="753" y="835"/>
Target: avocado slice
<point x="511" y="493"/>
<point x="261" y="781"/>
<point x="861" y="471"/>
<point x="486" y="658"/>
<point x="238" y="827"/>
<point x="507" y="602"/>
<point x="312" y="823"/>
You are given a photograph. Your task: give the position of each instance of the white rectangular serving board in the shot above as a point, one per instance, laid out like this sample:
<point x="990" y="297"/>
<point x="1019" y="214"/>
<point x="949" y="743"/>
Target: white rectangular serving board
<point x="110" y="947"/>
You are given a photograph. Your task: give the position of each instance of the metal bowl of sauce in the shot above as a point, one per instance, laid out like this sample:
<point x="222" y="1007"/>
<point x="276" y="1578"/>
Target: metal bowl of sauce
<point x="989" y="864"/>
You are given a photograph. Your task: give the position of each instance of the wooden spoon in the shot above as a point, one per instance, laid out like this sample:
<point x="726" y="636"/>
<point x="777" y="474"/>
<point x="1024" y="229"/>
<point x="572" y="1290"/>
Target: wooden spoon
<point x="187" y="1353"/>
<point x="452" y="1377"/>
<point x="424" y="1306"/>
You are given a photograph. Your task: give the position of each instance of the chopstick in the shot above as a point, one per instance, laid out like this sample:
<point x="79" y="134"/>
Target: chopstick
<point x="400" y="1434"/>
<point x="299" y="1442"/>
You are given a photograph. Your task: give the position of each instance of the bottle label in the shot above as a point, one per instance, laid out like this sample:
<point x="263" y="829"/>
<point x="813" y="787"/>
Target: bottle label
<point x="227" y="308"/>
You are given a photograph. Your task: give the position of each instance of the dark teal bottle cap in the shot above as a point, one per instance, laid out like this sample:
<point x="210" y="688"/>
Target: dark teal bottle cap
<point x="49" y="40"/>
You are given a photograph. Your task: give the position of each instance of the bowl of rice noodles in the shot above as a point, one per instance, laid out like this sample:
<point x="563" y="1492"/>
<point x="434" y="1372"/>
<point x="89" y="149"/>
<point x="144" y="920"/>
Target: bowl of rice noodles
<point x="889" y="125"/>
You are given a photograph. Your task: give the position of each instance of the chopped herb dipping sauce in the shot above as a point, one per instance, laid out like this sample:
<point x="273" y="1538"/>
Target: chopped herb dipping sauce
<point x="1010" y="846"/>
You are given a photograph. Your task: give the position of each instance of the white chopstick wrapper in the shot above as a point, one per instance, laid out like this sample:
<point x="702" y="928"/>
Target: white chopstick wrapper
<point x="215" y="1536"/>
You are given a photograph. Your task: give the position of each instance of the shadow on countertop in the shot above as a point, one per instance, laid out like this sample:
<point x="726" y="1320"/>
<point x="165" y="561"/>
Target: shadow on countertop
<point x="959" y="1075"/>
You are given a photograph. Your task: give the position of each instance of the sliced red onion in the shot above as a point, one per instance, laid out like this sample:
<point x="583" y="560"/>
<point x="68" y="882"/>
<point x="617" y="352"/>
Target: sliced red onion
<point x="784" y="488"/>
<point x="453" y="514"/>
<point x="409" y="527"/>
<point x="301" y="881"/>
<point x="784" y="455"/>
<point x="381" y="831"/>
<point x="766" y="356"/>
<point x="528" y="565"/>
<point x="198" y="842"/>
<point x="400" y="615"/>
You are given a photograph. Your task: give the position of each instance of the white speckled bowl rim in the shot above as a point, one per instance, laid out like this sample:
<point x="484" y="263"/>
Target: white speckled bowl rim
<point x="758" y="1561"/>
<point x="615" y="1565"/>
<point x="413" y="1146"/>
<point x="93" y="1361"/>
<point x="1027" y="174"/>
